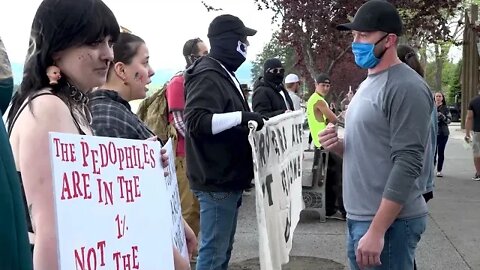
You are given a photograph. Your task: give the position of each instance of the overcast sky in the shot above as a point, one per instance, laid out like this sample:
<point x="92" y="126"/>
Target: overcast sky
<point x="164" y="25"/>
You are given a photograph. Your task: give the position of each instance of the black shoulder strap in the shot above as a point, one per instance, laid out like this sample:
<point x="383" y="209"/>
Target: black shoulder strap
<point x="77" y="125"/>
<point x="10" y="127"/>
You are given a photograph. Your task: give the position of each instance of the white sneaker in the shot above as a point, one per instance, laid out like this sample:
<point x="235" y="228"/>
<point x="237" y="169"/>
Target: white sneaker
<point x="439" y="174"/>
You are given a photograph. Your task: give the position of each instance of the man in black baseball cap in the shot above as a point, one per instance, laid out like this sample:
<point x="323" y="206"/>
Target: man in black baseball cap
<point x="228" y="40"/>
<point x="379" y="23"/>
<point x="228" y="23"/>
<point x="217" y="115"/>
<point x="387" y="132"/>
<point x="376" y="15"/>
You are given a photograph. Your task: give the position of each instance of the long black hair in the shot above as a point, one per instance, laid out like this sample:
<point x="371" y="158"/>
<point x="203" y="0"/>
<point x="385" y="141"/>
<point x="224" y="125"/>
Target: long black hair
<point x="444" y="102"/>
<point x="408" y="55"/>
<point x="59" y="25"/>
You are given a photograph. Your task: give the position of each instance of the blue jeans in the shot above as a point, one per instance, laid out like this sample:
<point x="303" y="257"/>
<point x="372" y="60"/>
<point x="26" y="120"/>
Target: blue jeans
<point x="218" y="222"/>
<point x="401" y="240"/>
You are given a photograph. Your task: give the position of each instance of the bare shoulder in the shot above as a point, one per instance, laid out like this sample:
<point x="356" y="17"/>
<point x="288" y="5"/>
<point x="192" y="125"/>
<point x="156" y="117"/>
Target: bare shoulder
<point x="46" y="111"/>
<point x="48" y="103"/>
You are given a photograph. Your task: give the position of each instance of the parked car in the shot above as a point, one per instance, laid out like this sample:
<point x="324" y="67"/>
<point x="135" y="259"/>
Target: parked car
<point x="456" y="113"/>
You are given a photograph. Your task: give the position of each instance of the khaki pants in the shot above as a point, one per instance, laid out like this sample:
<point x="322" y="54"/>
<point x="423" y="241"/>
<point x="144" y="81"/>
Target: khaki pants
<point x="190" y="206"/>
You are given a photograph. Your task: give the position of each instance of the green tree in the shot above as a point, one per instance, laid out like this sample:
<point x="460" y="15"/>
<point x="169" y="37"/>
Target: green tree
<point x="274" y="49"/>
<point x="450" y="79"/>
<point x="454" y="84"/>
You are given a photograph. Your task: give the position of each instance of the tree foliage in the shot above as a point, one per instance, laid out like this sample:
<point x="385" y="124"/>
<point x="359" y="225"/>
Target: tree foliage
<point x="450" y="84"/>
<point x="309" y="27"/>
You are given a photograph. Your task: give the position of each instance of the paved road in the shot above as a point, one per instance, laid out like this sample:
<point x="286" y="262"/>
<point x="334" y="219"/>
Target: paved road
<point x="451" y="242"/>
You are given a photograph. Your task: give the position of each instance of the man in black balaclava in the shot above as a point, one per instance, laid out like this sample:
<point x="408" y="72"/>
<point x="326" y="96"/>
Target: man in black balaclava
<point x="218" y="154"/>
<point x="270" y="98"/>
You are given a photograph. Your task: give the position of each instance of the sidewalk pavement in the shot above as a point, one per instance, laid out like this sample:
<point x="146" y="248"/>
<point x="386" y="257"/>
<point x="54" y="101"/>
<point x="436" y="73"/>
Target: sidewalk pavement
<point x="451" y="242"/>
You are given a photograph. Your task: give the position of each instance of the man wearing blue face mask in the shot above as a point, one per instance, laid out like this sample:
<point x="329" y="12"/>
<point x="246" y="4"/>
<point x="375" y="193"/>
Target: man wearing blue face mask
<point x="386" y="134"/>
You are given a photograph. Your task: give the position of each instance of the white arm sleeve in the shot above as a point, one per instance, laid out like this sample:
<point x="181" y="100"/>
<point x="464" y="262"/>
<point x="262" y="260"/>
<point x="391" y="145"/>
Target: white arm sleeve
<point x="224" y="121"/>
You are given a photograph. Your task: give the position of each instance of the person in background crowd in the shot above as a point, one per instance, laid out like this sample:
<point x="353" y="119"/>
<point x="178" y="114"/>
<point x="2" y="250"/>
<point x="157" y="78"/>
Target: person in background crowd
<point x="127" y="78"/>
<point x="386" y="212"/>
<point x="472" y="123"/>
<point x="193" y="49"/>
<point x="269" y="96"/>
<point x="82" y="52"/>
<point x="444" y="119"/>
<point x="219" y="156"/>
<point x="348" y="97"/>
<point x="15" y="250"/>
<point x="318" y="109"/>
<point x="408" y="56"/>
<point x="319" y="114"/>
<point x="292" y="84"/>
<point x="246" y="91"/>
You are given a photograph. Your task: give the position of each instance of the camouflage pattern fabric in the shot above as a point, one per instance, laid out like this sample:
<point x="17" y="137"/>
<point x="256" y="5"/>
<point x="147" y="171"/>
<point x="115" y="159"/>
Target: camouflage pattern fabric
<point x="153" y="111"/>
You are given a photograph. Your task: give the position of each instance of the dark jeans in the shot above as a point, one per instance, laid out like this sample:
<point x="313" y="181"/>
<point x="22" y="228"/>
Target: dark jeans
<point x="333" y="187"/>
<point x="440" y="151"/>
<point x="218" y="223"/>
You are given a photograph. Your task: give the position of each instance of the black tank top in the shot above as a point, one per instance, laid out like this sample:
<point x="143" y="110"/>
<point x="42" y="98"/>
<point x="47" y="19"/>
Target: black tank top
<point x="80" y="131"/>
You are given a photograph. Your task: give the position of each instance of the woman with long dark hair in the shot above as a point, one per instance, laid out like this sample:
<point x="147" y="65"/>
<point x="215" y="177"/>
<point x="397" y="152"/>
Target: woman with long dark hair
<point x="69" y="54"/>
<point x="408" y="56"/>
<point x="444" y="119"/>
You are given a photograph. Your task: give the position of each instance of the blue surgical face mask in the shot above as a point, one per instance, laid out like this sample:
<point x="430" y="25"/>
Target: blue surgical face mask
<point x="365" y="54"/>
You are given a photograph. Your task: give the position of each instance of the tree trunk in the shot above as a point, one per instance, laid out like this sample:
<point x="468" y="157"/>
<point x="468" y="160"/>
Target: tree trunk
<point x="423" y="58"/>
<point x="310" y="59"/>
<point x="438" y="67"/>
<point x="334" y="61"/>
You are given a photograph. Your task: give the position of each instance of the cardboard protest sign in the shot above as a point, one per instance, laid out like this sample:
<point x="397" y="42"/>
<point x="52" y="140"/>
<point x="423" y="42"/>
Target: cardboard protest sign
<point x="112" y="210"/>
<point x="277" y="155"/>
<point x="178" y="230"/>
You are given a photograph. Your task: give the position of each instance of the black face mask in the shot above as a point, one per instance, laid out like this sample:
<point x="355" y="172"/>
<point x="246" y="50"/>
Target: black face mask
<point x="275" y="78"/>
<point x="228" y="49"/>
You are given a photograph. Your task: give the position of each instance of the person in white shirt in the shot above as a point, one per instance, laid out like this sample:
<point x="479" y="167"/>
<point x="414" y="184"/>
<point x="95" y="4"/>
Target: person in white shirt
<point x="292" y="84"/>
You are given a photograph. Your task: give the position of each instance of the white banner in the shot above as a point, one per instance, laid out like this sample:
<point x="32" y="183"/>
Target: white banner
<point x="112" y="209"/>
<point x="277" y="156"/>
<point x="178" y="230"/>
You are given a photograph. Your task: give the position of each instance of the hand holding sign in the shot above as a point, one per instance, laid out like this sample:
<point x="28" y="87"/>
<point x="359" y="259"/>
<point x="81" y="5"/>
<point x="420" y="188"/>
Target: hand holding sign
<point x="191" y="239"/>
<point x="110" y="199"/>
<point x="164" y="156"/>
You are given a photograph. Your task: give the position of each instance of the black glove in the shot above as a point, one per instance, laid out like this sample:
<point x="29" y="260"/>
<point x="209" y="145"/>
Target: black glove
<point x="253" y="116"/>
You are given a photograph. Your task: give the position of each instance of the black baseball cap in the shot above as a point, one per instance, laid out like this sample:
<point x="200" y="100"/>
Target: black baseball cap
<point x="229" y="23"/>
<point x="375" y="15"/>
<point x="322" y="78"/>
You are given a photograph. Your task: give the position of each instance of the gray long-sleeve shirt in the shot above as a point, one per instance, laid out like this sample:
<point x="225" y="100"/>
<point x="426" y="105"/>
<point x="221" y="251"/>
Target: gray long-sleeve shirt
<point x="387" y="129"/>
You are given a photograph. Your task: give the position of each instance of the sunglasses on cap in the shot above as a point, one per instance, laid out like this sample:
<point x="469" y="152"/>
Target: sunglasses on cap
<point x="276" y="70"/>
